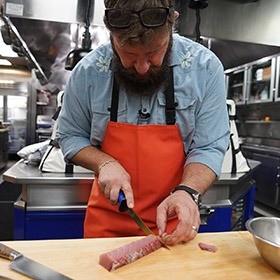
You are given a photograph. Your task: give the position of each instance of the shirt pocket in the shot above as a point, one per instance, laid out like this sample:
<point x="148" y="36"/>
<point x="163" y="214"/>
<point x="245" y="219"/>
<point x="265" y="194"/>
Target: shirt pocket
<point x="101" y="116"/>
<point x="185" y="114"/>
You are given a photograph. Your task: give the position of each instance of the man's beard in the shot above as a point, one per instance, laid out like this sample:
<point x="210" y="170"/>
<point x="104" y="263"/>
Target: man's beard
<point x="151" y="82"/>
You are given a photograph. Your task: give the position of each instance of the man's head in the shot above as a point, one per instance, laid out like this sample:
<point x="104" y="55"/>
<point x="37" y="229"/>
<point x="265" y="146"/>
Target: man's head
<point x="141" y="39"/>
<point x="132" y="14"/>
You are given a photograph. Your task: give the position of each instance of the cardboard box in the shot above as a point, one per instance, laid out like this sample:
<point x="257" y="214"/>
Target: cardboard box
<point x="266" y="73"/>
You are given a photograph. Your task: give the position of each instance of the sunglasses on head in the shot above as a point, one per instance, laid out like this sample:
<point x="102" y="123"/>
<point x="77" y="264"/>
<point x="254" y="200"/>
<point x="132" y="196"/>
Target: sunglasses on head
<point x="149" y="17"/>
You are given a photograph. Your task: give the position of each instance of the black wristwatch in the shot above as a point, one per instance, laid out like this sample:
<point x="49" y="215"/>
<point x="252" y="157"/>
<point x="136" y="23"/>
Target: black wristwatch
<point x="196" y="196"/>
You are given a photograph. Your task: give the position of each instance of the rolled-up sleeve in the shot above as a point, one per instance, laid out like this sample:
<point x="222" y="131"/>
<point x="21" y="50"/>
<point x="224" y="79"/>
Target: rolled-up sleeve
<point x="75" y="117"/>
<point x="211" y="135"/>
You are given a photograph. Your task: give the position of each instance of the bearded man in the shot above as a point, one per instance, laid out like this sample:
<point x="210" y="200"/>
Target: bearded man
<point x="147" y="112"/>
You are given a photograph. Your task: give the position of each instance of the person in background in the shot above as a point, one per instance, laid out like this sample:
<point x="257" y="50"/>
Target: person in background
<point x="147" y="112"/>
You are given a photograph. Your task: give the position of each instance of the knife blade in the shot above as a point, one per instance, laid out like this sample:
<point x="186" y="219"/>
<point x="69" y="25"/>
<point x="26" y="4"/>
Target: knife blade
<point x="29" y="267"/>
<point x="123" y="207"/>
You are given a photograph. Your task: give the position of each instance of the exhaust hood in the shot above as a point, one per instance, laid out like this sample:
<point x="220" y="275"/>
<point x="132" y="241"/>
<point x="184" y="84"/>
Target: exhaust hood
<point x="50" y="30"/>
<point x="237" y="31"/>
<point x="67" y="11"/>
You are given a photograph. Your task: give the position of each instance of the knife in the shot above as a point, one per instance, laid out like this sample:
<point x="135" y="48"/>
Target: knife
<point x="29" y="267"/>
<point x="123" y="207"/>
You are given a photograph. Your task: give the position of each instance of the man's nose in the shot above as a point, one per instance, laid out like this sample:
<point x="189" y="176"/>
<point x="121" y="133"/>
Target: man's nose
<point x="142" y="66"/>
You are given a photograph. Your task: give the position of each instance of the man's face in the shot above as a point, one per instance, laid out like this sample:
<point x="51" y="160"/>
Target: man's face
<point x="141" y="70"/>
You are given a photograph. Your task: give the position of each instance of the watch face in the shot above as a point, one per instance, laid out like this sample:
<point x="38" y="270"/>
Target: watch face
<point x="197" y="198"/>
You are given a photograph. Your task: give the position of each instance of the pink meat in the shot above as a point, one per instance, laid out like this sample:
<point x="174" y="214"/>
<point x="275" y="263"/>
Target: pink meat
<point x="129" y="253"/>
<point x="206" y="247"/>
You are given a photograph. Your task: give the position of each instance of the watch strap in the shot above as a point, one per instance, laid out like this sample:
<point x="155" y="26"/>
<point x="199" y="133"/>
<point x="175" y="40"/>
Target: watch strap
<point x="196" y="196"/>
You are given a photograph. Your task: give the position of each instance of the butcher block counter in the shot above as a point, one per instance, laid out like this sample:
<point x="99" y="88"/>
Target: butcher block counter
<point x="236" y="258"/>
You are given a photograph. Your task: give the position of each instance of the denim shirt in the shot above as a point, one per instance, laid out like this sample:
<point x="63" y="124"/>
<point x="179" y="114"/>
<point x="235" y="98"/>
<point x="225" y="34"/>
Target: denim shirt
<point x="199" y="89"/>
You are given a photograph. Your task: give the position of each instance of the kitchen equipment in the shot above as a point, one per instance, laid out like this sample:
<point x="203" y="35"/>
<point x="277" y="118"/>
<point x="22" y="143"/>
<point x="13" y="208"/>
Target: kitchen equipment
<point x="123" y="207"/>
<point x="266" y="233"/>
<point x="29" y="267"/>
<point x="4" y="140"/>
<point x="77" y="54"/>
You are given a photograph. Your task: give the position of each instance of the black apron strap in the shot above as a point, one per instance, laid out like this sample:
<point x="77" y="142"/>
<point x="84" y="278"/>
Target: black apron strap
<point x="233" y="154"/>
<point x="69" y="169"/>
<point x="114" y="102"/>
<point x="170" y="112"/>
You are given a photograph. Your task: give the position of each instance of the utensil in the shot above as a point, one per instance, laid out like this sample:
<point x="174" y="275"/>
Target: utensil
<point x="29" y="267"/>
<point x="266" y="233"/>
<point x="123" y="207"/>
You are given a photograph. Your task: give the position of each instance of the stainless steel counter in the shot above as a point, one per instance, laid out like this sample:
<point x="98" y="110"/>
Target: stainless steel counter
<point x="22" y="173"/>
<point x="230" y="187"/>
<point x="59" y="191"/>
<point x="42" y="191"/>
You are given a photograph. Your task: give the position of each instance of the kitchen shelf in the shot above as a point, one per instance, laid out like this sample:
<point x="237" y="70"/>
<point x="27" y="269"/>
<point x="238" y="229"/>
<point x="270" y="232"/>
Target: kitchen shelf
<point x="261" y="81"/>
<point x="265" y="211"/>
<point x="237" y="85"/>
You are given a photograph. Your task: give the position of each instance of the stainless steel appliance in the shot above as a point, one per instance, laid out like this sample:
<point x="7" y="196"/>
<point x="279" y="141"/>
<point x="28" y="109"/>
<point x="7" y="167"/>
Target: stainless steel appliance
<point x="15" y="106"/>
<point x="4" y="146"/>
<point x="262" y="144"/>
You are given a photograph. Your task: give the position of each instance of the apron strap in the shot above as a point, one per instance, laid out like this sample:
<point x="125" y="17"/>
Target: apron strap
<point x="114" y="102"/>
<point x="170" y="112"/>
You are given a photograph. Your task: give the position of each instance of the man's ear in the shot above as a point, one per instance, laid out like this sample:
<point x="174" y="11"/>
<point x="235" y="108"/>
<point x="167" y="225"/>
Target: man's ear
<point x="176" y="14"/>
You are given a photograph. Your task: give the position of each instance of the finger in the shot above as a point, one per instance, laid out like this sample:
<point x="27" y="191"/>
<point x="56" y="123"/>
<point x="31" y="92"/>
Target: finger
<point x="161" y="219"/>
<point x="178" y="235"/>
<point x="191" y="235"/>
<point x="106" y="192"/>
<point x="183" y="231"/>
<point x="114" y="195"/>
<point x="127" y="189"/>
<point x="186" y="230"/>
<point x="101" y="185"/>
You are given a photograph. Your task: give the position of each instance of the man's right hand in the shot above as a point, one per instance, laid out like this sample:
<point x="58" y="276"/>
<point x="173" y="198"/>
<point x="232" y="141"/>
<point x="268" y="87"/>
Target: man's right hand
<point x="112" y="178"/>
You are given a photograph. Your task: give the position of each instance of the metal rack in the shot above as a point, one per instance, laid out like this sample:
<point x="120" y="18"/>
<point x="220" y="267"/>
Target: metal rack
<point x="277" y="80"/>
<point x="237" y="83"/>
<point x="254" y="82"/>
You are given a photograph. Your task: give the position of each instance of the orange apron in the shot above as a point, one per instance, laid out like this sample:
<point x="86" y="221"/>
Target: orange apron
<point x="154" y="157"/>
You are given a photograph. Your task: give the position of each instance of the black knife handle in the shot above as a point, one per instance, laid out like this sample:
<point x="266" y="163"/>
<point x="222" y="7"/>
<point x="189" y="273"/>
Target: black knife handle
<point x="122" y="202"/>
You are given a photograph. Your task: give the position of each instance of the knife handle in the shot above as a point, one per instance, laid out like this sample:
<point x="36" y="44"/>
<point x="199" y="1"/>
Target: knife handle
<point x="122" y="202"/>
<point x="8" y="253"/>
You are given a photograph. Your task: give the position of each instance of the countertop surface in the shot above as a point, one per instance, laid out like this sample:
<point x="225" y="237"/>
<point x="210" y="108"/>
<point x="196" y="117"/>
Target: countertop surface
<point x="236" y="258"/>
<point x="21" y="173"/>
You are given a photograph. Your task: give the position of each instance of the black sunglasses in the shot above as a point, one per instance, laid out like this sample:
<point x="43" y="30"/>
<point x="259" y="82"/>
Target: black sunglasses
<point x="149" y="17"/>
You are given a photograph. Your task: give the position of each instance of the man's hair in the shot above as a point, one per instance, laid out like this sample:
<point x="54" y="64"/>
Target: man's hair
<point x="136" y="33"/>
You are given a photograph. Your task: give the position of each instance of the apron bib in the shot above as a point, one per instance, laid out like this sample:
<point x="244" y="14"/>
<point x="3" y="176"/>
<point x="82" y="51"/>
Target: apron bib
<point x="154" y="157"/>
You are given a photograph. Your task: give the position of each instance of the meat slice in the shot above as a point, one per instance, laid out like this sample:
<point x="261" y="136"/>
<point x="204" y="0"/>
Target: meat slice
<point x="129" y="253"/>
<point x="206" y="247"/>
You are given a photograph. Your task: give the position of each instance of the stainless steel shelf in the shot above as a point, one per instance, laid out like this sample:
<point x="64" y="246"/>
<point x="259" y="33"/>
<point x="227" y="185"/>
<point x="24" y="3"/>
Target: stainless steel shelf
<point x="263" y="210"/>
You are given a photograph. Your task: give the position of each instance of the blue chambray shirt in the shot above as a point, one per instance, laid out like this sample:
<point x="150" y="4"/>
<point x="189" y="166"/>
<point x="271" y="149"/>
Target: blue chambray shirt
<point x="201" y="114"/>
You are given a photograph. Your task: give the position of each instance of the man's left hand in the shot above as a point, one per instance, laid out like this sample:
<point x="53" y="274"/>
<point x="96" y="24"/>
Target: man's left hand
<point x="182" y="205"/>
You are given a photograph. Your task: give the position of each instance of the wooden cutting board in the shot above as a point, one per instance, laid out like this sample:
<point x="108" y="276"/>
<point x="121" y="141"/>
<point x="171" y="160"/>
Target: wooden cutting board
<point x="236" y="258"/>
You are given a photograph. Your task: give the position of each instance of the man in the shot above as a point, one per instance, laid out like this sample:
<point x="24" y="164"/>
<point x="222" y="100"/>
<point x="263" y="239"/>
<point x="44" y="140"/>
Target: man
<point x="147" y="113"/>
